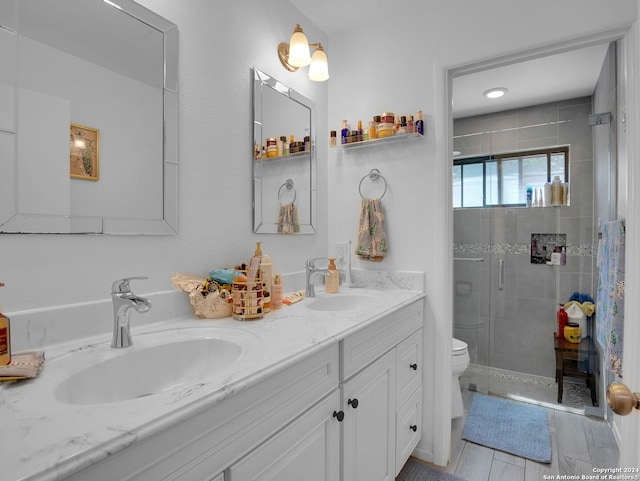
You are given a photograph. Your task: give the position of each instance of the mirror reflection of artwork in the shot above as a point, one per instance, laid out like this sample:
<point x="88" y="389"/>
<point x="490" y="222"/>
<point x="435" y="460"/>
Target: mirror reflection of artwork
<point x="84" y="150"/>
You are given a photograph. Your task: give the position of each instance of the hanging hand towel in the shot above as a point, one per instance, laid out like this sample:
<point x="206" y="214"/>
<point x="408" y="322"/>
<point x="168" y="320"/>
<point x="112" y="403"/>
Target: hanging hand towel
<point x="288" y="219"/>
<point x="610" y="298"/>
<point x="372" y="240"/>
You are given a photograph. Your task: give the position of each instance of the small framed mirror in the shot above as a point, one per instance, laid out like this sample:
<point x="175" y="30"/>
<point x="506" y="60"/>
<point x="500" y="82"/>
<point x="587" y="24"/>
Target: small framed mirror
<point x="284" y="160"/>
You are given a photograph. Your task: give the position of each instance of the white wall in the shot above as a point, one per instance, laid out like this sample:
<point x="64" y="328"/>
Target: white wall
<point x="407" y="72"/>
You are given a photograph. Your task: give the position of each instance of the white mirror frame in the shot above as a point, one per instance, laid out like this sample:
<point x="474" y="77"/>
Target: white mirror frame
<point x="12" y="221"/>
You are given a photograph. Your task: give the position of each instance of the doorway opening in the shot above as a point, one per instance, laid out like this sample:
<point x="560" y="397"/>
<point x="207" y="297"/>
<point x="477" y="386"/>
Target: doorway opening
<point x="504" y="304"/>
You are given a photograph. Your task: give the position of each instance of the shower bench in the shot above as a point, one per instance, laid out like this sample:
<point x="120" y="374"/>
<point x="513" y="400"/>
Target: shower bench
<point x="575" y="360"/>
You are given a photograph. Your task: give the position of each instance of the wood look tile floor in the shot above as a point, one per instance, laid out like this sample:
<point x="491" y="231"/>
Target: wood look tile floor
<point x="578" y="444"/>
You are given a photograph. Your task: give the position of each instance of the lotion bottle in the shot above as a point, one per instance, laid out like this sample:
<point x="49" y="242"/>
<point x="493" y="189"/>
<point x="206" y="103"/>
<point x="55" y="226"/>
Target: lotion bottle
<point x="276" y="292"/>
<point x="266" y="269"/>
<point x="332" y="280"/>
<point x="5" y="339"/>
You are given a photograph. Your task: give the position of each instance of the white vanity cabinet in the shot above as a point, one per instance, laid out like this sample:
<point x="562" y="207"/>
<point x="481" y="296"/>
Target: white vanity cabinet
<point x="381" y="376"/>
<point x="380" y="400"/>
<point x="348" y="412"/>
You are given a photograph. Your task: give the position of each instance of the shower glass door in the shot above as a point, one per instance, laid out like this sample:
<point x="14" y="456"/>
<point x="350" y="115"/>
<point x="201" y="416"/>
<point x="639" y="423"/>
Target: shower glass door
<point x="506" y="293"/>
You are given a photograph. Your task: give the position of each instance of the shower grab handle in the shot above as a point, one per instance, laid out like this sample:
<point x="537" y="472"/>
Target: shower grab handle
<point x="501" y="274"/>
<point x="469" y="259"/>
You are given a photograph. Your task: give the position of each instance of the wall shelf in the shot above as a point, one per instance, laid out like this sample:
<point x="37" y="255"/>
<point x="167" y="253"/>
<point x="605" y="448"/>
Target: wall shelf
<point x="384" y="140"/>
<point x="306" y="153"/>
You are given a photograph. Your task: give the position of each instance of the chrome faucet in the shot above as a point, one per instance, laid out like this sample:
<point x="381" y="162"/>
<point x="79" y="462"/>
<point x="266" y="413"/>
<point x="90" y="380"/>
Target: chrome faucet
<point x="312" y="271"/>
<point x="123" y="301"/>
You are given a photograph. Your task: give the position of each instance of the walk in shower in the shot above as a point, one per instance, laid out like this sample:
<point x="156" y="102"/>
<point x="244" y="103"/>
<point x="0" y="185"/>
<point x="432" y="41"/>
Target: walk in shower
<point x="506" y="289"/>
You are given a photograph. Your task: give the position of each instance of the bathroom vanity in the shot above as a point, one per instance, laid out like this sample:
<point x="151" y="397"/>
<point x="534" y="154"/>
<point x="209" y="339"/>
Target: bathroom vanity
<point x="327" y="389"/>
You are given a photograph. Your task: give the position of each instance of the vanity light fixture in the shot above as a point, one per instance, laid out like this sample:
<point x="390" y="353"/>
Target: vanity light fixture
<point x="495" y="92"/>
<point x="296" y="54"/>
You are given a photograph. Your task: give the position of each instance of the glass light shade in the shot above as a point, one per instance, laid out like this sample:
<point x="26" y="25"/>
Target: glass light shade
<point x="495" y="93"/>
<point x="319" y="68"/>
<point x="299" y="49"/>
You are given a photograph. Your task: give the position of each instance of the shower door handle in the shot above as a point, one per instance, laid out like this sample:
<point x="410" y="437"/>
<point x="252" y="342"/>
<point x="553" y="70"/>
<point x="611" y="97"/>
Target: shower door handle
<point x="501" y="274"/>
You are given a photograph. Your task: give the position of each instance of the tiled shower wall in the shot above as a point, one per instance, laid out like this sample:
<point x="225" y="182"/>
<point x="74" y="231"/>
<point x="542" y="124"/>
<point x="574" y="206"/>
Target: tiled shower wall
<point x="513" y="328"/>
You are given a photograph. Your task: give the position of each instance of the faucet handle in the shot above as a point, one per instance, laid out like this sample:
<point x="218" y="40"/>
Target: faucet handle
<point x="311" y="263"/>
<point x="122" y="285"/>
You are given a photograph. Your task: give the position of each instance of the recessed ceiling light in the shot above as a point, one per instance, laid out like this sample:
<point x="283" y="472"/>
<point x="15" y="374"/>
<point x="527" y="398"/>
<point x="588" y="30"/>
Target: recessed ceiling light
<point x="495" y="93"/>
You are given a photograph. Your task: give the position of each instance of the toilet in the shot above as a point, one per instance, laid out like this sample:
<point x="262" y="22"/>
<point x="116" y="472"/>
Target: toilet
<point x="459" y="362"/>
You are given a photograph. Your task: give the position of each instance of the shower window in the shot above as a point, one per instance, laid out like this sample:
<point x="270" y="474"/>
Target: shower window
<point x="502" y="180"/>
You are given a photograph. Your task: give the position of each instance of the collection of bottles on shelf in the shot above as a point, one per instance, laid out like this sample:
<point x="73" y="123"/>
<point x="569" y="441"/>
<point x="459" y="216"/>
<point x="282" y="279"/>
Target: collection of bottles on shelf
<point x="381" y="126"/>
<point x="554" y="194"/>
<point x="279" y="147"/>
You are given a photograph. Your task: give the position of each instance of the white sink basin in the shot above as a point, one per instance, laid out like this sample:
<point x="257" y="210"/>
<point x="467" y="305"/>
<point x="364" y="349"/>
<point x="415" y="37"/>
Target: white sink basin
<point x="343" y="301"/>
<point x="155" y="363"/>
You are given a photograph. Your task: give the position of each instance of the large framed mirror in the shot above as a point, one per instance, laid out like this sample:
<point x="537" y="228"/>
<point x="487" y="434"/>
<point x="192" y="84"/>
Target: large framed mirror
<point x="88" y="118"/>
<point x="284" y="160"/>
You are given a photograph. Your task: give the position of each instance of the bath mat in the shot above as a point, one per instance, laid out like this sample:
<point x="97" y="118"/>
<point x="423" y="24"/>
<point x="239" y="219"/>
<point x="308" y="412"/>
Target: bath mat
<point x="510" y="426"/>
<point x="414" y="470"/>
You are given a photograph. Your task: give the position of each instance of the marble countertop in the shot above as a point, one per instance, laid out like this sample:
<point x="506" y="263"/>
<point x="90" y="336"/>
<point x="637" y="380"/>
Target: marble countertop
<point x="46" y="439"/>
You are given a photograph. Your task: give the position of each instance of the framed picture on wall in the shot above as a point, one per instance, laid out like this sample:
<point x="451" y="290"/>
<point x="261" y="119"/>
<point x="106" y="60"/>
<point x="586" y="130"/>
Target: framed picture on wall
<point x="84" y="152"/>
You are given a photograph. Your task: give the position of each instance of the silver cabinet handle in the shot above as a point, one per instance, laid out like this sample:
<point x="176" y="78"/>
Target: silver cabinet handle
<point x="501" y="274"/>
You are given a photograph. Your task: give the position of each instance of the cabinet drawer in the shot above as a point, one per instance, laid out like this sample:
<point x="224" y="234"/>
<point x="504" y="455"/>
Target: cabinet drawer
<point x="409" y="366"/>
<point x="408" y="427"/>
<point x="366" y="345"/>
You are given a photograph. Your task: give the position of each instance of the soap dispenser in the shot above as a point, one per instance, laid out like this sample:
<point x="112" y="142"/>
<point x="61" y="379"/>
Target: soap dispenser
<point x="5" y="339"/>
<point x="332" y="280"/>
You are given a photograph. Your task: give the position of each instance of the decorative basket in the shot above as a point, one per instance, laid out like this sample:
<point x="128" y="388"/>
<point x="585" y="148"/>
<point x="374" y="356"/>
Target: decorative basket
<point x="213" y="306"/>
<point x="247" y="295"/>
<point x="208" y="299"/>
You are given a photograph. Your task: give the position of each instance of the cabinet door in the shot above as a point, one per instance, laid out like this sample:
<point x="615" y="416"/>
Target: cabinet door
<point x="369" y="405"/>
<point x="308" y="448"/>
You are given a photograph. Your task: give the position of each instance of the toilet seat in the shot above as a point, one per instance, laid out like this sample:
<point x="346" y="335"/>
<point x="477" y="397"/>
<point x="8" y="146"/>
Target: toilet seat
<point x="459" y="348"/>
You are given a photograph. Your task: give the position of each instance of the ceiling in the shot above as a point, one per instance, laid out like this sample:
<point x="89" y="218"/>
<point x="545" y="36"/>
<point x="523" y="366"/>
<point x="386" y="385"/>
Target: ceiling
<point x="561" y="76"/>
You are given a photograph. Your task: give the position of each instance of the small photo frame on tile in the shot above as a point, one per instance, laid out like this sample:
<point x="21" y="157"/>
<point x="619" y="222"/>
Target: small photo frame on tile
<point x="84" y="152"/>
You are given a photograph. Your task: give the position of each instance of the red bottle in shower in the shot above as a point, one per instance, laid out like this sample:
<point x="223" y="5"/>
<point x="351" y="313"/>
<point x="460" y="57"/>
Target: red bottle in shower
<point x="563" y="319"/>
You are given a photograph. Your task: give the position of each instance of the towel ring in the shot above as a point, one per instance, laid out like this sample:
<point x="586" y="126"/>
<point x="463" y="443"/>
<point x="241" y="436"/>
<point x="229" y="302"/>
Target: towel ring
<point x="289" y="185"/>
<point x="373" y="175"/>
